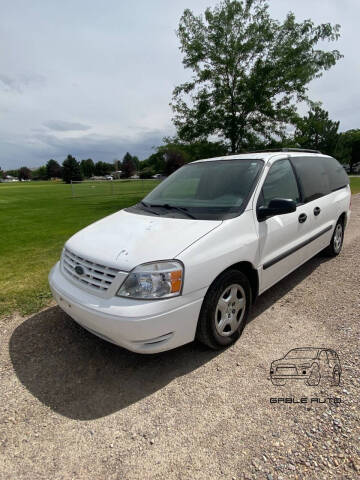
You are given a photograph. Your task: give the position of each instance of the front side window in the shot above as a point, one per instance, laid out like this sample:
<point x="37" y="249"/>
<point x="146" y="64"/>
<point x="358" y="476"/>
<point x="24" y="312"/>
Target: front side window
<point x="207" y="190"/>
<point x="280" y="183"/>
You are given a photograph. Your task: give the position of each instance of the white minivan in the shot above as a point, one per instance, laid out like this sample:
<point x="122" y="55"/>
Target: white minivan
<point x="189" y="260"/>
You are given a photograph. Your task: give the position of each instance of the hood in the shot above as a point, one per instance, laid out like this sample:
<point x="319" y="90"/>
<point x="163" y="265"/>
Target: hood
<point x="124" y="240"/>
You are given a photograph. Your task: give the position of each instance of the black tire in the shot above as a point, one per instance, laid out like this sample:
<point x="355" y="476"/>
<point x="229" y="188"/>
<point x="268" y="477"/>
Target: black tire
<point x="207" y="332"/>
<point x="334" y="247"/>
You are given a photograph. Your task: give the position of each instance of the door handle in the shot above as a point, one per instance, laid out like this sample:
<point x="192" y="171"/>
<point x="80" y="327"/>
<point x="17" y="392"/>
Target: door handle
<point x="302" y="217"/>
<point x="317" y="210"/>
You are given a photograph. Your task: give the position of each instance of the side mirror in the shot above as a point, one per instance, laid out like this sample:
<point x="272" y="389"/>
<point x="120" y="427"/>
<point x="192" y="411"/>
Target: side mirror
<point x="277" y="206"/>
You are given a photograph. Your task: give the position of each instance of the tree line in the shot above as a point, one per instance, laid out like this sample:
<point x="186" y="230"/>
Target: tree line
<point x="73" y="170"/>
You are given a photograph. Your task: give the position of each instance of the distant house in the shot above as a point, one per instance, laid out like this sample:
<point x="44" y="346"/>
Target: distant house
<point x="9" y="178"/>
<point x="117" y="174"/>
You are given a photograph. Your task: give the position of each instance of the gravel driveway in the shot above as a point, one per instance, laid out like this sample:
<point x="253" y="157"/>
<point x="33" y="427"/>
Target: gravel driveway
<point x="73" y="406"/>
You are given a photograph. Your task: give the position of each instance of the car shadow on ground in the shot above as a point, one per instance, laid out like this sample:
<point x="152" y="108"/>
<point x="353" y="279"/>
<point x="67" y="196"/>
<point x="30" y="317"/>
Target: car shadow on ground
<point x="83" y="377"/>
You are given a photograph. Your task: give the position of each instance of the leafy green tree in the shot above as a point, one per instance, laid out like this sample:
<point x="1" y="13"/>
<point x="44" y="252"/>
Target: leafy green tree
<point x="315" y="130"/>
<point x="103" y="168"/>
<point x="87" y="168"/>
<point x="136" y="162"/>
<point x="128" y="166"/>
<point x="53" y="169"/>
<point x="40" y="173"/>
<point x="13" y="173"/>
<point x="249" y="71"/>
<point x="24" y="173"/>
<point x="71" y="170"/>
<point x="2" y="173"/>
<point x="348" y="147"/>
<point x="147" y="172"/>
<point x="174" y="159"/>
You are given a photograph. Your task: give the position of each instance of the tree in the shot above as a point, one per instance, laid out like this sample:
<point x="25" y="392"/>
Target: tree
<point x="174" y="159"/>
<point x="53" y="169"/>
<point x="103" y="168"/>
<point x="24" y="173"/>
<point x="317" y="131"/>
<point x="128" y="165"/>
<point x="249" y="71"/>
<point x="136" y="162"/>
<point x="13" y="173"/>
<point x="71" y="169"/>
<point x="2" y="173"/>
<point x="147" y="172"/>
<point x="87" y="168"/>
<point x="348" y="147"/>
<point x="40" y="173"/>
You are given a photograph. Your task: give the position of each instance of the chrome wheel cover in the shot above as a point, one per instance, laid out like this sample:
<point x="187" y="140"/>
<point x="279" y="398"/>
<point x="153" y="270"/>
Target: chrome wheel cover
<point x="338" y="237"/>
<point x="230" y="310"/>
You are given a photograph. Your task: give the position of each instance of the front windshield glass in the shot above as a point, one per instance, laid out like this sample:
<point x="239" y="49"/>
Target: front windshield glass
<point x="212" y="189"/>
<point x="303" y="353"/>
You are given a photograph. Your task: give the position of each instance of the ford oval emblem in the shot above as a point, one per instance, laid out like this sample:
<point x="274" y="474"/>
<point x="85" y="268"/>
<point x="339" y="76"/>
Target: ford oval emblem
<point x="79" y="270"/>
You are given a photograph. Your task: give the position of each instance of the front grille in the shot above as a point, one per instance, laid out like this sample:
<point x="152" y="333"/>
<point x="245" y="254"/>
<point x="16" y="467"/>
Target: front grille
<point x="286" y="371"/>
<point x="96" y="276"/>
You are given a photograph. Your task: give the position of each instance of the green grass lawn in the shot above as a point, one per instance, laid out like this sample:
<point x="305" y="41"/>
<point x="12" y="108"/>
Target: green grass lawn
<point x="36" y="219"/>
<point x="355" y="184"/>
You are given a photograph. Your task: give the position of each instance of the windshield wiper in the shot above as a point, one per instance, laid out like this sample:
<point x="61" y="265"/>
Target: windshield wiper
<point x="174" y="207"/>
<point x="147" y="207"/>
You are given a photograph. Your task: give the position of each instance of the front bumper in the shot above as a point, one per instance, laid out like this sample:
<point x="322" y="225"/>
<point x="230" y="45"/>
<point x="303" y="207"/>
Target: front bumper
<point x="143" y="326"/>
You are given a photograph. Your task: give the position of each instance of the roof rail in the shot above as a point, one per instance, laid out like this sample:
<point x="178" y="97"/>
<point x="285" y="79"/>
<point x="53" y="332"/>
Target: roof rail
<point x="307" y="150"/>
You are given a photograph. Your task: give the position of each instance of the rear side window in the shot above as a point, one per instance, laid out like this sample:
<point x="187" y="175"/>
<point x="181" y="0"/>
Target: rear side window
<point x="280" y="183"/>
<point x="319" y="176"/>
<point x="313" y="177"/>
<point x="336" y="174"/>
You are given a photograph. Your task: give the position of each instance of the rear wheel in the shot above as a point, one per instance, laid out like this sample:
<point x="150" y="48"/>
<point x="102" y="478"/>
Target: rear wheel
<point x="336" y="240"/>
<point x="225" y="310"/>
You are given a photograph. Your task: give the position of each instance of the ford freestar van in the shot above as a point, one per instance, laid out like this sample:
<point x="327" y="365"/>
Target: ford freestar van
<point x="188" y="260"/>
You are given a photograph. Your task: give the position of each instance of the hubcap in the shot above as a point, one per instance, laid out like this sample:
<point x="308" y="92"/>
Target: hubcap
<point x="338" y="237"/>
<point x="230" y="310"/>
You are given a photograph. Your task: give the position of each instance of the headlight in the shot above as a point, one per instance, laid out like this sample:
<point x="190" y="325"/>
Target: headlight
<point x="153" y="280"/>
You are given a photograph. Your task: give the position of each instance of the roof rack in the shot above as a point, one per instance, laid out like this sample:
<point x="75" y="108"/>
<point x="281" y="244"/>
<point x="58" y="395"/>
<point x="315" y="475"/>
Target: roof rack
<point x="307" y="150"/>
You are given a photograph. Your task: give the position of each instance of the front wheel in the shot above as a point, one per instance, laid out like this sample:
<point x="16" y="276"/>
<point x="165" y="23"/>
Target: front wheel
<point x="315" y="376"/>
<point x="225" y="310"/>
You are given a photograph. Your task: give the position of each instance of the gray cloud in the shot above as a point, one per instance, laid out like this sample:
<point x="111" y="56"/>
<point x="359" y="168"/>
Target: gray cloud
<point x="42" y="146"/>
<point x="19" y="83"/>
<point x="65" y="126"/>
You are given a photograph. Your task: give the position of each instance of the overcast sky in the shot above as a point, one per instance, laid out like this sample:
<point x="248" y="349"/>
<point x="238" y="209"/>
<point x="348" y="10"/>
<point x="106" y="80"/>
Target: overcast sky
<point x="94" y="78"/>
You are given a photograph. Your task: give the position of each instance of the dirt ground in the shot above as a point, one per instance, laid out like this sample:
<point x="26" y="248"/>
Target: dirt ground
<point x="74" y="406"/>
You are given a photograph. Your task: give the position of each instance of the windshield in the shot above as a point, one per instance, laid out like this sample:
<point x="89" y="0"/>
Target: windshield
<point x="213" y="189"/>
<point x="304" y="353"/>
